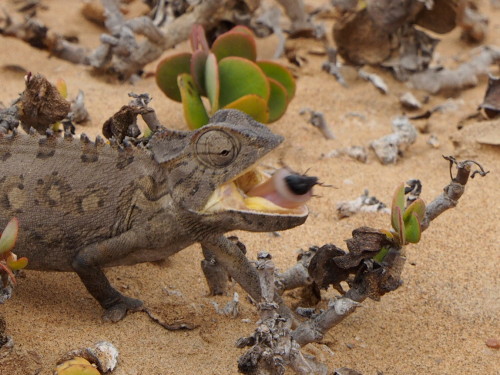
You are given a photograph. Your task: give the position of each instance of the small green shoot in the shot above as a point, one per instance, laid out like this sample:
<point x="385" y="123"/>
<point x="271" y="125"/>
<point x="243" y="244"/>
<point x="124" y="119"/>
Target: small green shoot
<point x="406" y="222"/>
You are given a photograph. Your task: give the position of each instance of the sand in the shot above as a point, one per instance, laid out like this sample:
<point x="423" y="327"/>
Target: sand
<point x="436" y="323"/>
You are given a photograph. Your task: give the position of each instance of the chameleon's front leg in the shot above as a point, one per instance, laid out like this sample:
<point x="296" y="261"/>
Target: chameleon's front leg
<point x="87" y="264"/>
<point x="236" y="264"/>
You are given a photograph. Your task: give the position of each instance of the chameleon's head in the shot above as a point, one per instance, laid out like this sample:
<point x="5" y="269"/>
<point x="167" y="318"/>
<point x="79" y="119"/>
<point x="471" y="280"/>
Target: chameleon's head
<point x="212" y="170"/>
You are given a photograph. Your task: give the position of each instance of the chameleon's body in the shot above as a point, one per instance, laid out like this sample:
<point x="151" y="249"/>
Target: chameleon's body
<point x="83" y="206"/>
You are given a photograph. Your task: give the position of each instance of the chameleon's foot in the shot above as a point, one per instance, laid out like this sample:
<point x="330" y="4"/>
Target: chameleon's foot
<point x="118" y="310"/>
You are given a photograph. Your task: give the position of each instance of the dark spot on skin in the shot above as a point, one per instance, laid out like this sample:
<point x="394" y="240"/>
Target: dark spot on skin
<point x="194" y="190"/>
<point x="52" y="203"/>
<point x="100" y="203"/>
<point x="79" y="205"/>
<point x="2" y="180"/>
<point x="123" y="162"/>
<point x="36" y="202"/>
<point x="5" y="156"/>
<point x="45" y="154"/>
<point x="4" y="201"/>
<point x="186" y="178"/>
<point x="21" y="177"/>
<point x="89" y="158"/>
<point x="35" y="236"/>
<point x="180" y="164"/>
<point x="55" y="173"/>
<point x="211" y="186"/>
<point x="40" y="181"/>
<point x="63" y="188"/>
<point x="20" y="186"/>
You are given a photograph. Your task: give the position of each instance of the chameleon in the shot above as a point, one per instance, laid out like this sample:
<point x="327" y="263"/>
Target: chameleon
<point x="83" y="206"/>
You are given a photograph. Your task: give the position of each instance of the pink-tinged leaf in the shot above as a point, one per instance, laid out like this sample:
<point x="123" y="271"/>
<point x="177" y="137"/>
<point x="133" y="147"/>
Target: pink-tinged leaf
<point x="239" y="77"/>
<point x="413" y="230"/>
<point x="400" y="226"/>
<point x="280" y="74"/>
<point x="252" y="105"/>
<point x="398" y="201"/>
<point x="235" y="44"/>
<point x="212" y="82"/>
<point x="198" y="62"/>
<point x="9" y="236"/>
<point x="62" y="87"/>
<point x="167" y="72"/>
<point x="16" y="264"/>
<point x="417" y="207"/>
<point x="278" y="100"/>
<point x="194" y="110"/>
<point x="242" y="30"/>
<point x="198" y="39"/>
<point x="7" y="270"/>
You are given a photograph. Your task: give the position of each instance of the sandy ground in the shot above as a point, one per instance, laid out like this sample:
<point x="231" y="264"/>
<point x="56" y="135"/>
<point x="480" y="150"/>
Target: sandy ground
<point x="436" y="323"/>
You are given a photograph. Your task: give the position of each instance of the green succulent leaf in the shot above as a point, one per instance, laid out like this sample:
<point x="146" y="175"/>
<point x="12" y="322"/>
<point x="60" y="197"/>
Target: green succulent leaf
<point x="252" y="105"/>
<point x="198" y="39"/>
<point x="278" y="100"/>
<point x="197" y="69"/>
<point x="381" y="254"/>
<point x="16" y="264"/>
<point x="398" y="201"/>
<point x="280" y="74"/>
<point x="212" y="82"/>
<point x="235" y="44"/>
<point x="194" y="111"/>
<point x="243" y="30"/>
<point x="417" y="207"/>
<point x="412" y="229"/>
<point x="388" y="234"/>
<point x="240" y="77"/>
<point x="9" y="236"/>
<point x="167" y="71"/>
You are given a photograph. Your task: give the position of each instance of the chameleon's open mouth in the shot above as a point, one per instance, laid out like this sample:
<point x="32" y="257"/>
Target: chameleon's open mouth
<point x="283" y="193"/>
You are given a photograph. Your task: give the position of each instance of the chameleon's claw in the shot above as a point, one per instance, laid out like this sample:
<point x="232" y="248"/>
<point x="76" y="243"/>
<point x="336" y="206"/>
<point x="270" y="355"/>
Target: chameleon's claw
<point x="119" y="310"/>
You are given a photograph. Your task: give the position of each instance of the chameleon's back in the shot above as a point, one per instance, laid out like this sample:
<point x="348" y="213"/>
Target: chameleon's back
<point x="66" y="193"/>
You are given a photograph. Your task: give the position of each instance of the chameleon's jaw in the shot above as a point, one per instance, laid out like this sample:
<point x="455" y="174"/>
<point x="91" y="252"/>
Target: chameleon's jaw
<point x="250" y="192"/>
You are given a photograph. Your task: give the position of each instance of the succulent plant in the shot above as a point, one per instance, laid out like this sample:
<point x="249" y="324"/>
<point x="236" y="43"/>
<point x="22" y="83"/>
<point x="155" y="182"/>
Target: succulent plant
<point x="229" y="75"/>
<point x="8" y="260"/>
<point x="76" y="366"/>
<point x="406" y="222"/>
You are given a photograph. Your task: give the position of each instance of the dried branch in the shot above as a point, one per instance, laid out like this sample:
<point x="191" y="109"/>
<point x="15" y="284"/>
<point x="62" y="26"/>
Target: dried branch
<point x="123" y="124"/>
<point x="317" y="119"/>
<point x="466" y="75"/>
<point x="364" y="203"/>
<point x="273" y="348"/>
<point x="453" y="191"/>
<point x="374" y="279"/>
<point x="389" y="147"/>
<point x="296" y="276"/>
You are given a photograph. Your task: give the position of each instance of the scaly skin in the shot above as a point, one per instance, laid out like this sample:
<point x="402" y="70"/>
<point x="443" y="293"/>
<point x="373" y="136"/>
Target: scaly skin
<point x="83" y="206"/>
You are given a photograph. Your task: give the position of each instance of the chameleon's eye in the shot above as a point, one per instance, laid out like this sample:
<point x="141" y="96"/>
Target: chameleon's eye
<point x="216" y="148"/>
